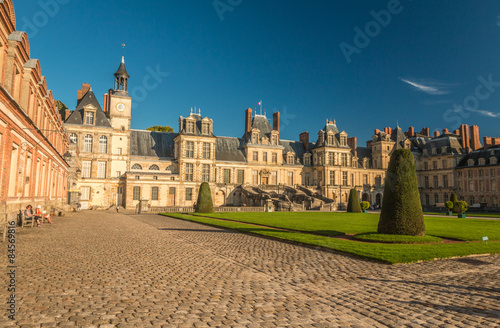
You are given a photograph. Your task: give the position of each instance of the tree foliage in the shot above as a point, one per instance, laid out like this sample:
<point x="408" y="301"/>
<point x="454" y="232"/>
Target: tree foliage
<point x="62" y="108"/>
<point x="160" y="128"/>
<point x="462" y="206"/>
<point x="353" y="205"/>
<point x="365" y="205"/>
<point x="401" y="208"/>
<point x="204" y="203"/>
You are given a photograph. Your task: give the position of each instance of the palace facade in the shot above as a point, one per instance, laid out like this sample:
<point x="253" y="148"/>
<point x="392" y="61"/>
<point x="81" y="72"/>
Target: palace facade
<point x="114" y="164"/>
<point x="32" y="137"/>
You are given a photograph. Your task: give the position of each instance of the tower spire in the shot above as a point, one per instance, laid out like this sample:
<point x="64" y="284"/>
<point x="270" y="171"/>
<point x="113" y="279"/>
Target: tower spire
<point x="121" y="78"/>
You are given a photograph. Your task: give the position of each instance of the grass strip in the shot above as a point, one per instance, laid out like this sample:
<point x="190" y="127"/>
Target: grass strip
<point x="386" y="253"/>
<point x="397" y="239"/>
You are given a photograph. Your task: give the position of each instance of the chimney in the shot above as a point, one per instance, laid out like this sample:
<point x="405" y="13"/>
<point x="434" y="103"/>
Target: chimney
<point x="488" y="142"/>
<point x="425" y="132"/>
<point x="436" y="134"/>
<point x="475" y="144"/>
<point x="304" y="138"/>
<point x="248" y="123"/>
<point x="495" y="141"/>
<point x="276" y="121"/>
<point x="411" y="132"/>
<point x="446" y="131"/>
<point x="352" y="142"/>
<point x="464" y="134"/>
<point x="457" y="132"/>
<point x="369" y="144"/>
<point x="106" y="104"/>
<point x="83" y="91"/>
<point x="67" y="113"/>
<point x="377" y="131"/>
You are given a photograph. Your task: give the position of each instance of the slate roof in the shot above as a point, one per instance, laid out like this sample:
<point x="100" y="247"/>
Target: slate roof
<point x="262" y="123"/>
<point x="229" y="149"/>
<point x="485" y="154"/>
<point x="451" y="143"/>
<point x="76" y="116"/>
<point x="122" y="70"/>
<point x="330" y="126"/>
<point x="296" y="147"/>
<point x="152" y="143"/>
<point x="197" y="127"/>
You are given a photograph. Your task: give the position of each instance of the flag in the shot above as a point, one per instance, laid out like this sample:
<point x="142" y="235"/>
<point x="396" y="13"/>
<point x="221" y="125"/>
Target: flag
<point x="260" y="103"/>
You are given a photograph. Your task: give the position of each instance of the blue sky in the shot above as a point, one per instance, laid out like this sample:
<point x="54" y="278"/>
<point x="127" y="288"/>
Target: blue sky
<point x="421" y="63"/>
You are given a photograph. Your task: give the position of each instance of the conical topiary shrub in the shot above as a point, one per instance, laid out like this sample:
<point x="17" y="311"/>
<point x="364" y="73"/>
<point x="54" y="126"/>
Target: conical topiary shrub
<point x="401" y="208"/>
<point x="353" y="205"/>
<point x="204" y="203"/>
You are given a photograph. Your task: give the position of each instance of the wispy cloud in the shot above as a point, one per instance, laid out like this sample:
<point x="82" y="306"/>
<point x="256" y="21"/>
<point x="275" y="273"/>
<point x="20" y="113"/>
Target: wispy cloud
<point x="430" y="87"/>
<point x="479" y="111"/>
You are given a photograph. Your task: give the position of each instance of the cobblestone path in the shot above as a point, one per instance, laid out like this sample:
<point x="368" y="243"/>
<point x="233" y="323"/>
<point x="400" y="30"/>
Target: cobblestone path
<point x="102" y="269"/>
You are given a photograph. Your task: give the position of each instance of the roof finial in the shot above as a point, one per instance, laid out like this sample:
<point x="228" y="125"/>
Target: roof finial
<point x="335" y="121"/>
<point x="199" y="111"/>
<point x="191" y="110"/>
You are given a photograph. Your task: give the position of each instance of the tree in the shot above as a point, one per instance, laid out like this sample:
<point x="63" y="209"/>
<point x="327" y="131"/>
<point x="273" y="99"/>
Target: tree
<point x="62" y="109"/>
<point x="353" y="205"/>
<point x="401" y="208"/>
<point x="462" y="206"/>
<point x="449" y="205"/>
<point x="204" y="203"/>
<point x="365" y="205"/>
<point x="159" y="128"/>
<point x="454" y="200"/>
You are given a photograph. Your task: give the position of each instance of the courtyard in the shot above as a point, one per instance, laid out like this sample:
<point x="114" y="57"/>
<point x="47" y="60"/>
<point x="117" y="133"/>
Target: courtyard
<point x="103" y="269"/>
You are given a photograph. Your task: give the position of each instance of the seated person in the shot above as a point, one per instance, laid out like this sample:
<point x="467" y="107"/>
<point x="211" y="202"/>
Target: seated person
<point x="28" y="214"/>
<point x="42" y="214"/>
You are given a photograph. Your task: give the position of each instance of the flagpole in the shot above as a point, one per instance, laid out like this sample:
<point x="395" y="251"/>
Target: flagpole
<point x="260" y="107"/>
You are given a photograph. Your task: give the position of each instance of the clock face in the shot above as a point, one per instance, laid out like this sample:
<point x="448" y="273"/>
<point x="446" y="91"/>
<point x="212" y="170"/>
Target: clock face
<point x="120" y="107"/>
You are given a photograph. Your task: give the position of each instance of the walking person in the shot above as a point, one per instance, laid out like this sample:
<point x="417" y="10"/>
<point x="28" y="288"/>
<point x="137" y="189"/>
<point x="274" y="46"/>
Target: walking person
<point x="117" y="208"/>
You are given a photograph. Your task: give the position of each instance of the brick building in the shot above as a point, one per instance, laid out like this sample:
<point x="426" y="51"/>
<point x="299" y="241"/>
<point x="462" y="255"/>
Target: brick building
<point x="32" y="138"/>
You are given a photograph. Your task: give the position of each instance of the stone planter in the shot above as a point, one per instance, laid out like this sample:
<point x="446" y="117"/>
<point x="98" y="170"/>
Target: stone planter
<point x="461" y="216"/>
<point x="449" y="213"/>
<point x="365" y="211"/>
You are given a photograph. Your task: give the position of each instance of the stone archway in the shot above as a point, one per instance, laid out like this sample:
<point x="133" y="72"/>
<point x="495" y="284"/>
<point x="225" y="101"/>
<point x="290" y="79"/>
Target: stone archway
<point x="365" y="197"/>
<point x="378" y="199"/>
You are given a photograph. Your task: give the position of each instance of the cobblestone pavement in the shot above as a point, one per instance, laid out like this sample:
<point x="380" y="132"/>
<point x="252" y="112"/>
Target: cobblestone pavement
<point x="102" y="269"/>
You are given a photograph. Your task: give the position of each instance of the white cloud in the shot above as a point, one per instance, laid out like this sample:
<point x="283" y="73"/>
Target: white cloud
<point x="479" y="111"/>
<point x="429" y="87"/>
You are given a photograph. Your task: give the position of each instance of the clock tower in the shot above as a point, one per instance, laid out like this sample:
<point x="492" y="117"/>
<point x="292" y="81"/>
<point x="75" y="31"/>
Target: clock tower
<point x="120" y="103"/>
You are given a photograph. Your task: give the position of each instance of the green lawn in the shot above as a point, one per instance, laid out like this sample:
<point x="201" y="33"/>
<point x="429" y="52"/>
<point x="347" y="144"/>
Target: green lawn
<point x="339" y="223"/>
<point x="471" y="214"/>
<point x="388" y="253"/>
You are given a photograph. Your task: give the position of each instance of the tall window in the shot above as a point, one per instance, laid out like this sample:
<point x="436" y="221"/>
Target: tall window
<point x="154" y="193"/>
<point x="85" y="191"/>
<point x="241" y="176"/>
<point x="378" y="181"/>
<point x="73" y="138"/>
<point x="136" y="193"/>
<point x="365" y="179"/>
<point x="89" y="118"/>
<point x="189" y="172"/>
<point x="344" y="159"/>
<point x="331" y="159"/>
<point x="343" y="141"/>
<point x="86" y="169"/>
<point x="206" y="150"/>
<point x="290" y="178"/>
<point x="274" y="158"/>
<point x="274" y="178"/>
<point x="436" y="198"/>
<point x="435" y="165"/>
<point x="255" y="177"/>
<point x="87" y="143"/>
<point x="445" y="164"/>
<point x="255" y="156"/>
<point x="493" y="185"/>
<point x="332" y="178"/>
<point x="189" y="149"/>
<point x="427" y="201"/>
<point x="264" y="157"/>
<point x="101" y="170"/>
<point x="426" y="166"/>
<point x="445" y="181"/>
<point x="290" y="159"/>
<point x="205" y="173"/>
<point x="274" y="140"/>
<point x="255" y="138"/>
<point x="426" y="182"/>
<point x="103" y="145"/>
<point x="307" y="160"/>
<point x="344" y="178"/>
<point x="227" y="176"/>
<point x="189" y="194"/>
<point x="205" y="128"/>
<point x="330" y="140"/>
<point x="190" y="127"/>
<point x="435" y="181"/>
<point x="306" y="178"/>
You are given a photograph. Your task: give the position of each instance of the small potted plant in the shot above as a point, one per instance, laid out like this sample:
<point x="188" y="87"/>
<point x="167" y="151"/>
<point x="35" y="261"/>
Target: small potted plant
<point x="462" y="207"/>
<point x="365" y="206"/>
<point x="449" y="205"/>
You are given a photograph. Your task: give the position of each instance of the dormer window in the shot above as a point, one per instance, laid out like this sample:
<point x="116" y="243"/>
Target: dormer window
<point x="290" y="159"/>
<point x="274" y="140"/>
<point x="493" y="160"/>
<point x="343" y="140"/>
<point x="89" y="117"/>
<point x="307" y="159"/>
<point x="255" y="138"/>
<point x="205" y="128"/>
<point x="482" y="161"/>
<point x="190" y="127"/>
<point x="470" y="162"/>
<point x="330" y="140"/>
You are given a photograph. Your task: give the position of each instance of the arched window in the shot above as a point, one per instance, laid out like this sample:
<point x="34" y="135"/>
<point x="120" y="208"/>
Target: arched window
<point x="73" y="138"/>
<point x="87" y="146"/>
<point x="154" y="168"/>
<point x="136" y="167"/>
<point x="103" y="145"/>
